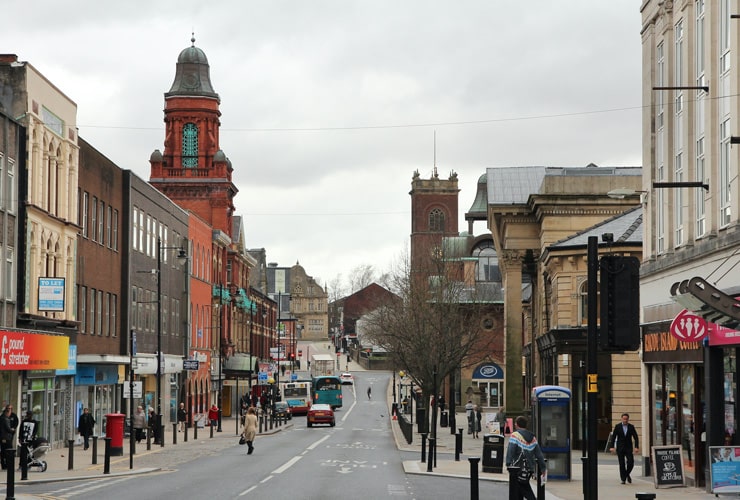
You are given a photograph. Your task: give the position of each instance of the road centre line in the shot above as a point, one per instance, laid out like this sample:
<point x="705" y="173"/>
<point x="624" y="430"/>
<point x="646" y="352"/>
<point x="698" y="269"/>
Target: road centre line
<point x="287" y="465"/>
<point x="247" y="490"/>
<point x="346" y="414"/>
<point x="311" y="447"/>
<point x="266" y="479"/>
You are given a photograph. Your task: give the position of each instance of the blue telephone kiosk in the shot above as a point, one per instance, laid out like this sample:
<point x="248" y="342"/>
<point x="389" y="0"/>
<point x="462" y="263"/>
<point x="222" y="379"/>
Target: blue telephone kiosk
<point x="551" y="425"/>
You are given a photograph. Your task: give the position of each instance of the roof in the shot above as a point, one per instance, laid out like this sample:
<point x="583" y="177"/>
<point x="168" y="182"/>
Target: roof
<point x="514" y="185"/>
<point x="626" y="228"/>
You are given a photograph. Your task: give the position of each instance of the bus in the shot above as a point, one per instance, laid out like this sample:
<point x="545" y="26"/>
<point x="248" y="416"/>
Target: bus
<point x="298" y="396"/>
<point x="327" y="390"/>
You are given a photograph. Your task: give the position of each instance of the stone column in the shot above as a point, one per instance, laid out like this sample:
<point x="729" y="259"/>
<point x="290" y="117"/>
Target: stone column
<point x="512" y="267"/>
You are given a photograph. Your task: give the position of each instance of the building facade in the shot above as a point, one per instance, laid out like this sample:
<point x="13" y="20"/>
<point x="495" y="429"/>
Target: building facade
<point x="690" y="81"/>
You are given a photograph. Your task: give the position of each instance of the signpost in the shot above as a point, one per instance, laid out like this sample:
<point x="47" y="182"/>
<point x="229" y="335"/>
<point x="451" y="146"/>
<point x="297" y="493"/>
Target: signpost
<point x="190" y="364"/>
<point x="668" y="462"/>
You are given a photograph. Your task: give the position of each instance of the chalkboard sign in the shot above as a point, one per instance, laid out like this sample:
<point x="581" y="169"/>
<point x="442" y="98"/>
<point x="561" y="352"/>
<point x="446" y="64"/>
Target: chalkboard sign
<point x="668" y="466"/>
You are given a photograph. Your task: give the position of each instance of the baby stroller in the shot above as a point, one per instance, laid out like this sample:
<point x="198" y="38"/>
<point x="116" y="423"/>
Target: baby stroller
<point x="36" y="451"/>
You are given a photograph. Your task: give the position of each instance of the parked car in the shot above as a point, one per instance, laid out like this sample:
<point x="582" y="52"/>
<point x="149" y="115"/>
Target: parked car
<point x="320" y="414"/>
<point x="282" y="410"/>
<point x="347" y="378"/>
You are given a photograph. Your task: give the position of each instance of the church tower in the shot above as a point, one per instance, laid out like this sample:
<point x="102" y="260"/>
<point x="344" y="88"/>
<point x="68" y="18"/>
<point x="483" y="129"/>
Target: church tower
<point x="193" y="171"/>
<point x="433" y="216"/>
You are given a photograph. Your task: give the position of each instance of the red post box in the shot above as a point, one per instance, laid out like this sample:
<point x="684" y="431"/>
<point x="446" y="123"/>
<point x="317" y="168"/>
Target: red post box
<point x="114" y="430"/>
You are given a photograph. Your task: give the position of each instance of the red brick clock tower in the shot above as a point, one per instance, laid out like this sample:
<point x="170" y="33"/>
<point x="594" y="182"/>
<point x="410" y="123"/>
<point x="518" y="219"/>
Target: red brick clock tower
<point x="193" y="171"/>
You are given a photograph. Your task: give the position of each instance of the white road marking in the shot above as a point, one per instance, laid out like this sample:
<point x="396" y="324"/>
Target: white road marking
<point x="287" y="465"/>
<point x="266" y="479"/>
<point x="247" y="490"/>
<point x="318" y="442"/>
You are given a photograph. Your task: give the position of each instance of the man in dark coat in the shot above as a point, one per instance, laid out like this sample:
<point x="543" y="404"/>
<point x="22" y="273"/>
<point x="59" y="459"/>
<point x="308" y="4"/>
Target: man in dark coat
<point x="622" y="437"/>
<point x="86" y="426"/>
<point x="8" y="425"/>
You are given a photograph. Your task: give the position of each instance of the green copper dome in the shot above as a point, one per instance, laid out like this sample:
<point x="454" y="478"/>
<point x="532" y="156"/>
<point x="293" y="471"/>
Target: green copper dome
<point x="192" y="75"/>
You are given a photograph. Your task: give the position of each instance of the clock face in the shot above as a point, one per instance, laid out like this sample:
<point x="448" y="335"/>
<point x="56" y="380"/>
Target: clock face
<point x="190" y="80"/>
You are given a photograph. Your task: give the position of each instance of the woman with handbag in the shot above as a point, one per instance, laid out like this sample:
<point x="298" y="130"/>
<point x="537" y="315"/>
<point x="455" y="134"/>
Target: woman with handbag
<point x="522" y="452"/>
<point x="250" y="429"/>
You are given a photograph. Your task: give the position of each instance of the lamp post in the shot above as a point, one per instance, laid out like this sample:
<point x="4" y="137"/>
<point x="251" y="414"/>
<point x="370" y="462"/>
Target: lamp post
<point x="220" y="353"/>
<point x="181" y="255"/>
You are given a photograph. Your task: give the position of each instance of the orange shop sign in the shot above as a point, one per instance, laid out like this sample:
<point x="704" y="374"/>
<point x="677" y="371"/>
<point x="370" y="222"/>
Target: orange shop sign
<point x="33" y="351"/>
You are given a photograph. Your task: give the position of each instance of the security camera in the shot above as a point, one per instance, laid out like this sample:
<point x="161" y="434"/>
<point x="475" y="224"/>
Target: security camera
<point x="607" y="238"/>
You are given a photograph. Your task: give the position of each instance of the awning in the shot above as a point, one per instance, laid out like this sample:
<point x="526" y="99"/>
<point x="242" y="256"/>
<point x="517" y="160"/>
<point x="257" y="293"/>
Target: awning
<point x="240" y="362"/>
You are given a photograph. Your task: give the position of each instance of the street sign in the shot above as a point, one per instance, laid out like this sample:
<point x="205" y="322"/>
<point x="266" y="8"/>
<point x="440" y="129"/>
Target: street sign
<point x="293" y="376"/>
<point x="262" y="377"/>
<point x="593" y="385"/>
<point x="137" y="389"/>
<point x="190" y="364"/>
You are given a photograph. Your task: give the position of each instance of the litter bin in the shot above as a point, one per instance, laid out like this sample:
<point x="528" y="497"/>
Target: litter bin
<point x="114" y="430"/>
<point x="493" y="453"/>
<point x="444" y="419"/>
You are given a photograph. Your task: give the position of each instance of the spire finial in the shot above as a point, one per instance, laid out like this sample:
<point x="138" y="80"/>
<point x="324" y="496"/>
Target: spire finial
<point x="192" y="38"/>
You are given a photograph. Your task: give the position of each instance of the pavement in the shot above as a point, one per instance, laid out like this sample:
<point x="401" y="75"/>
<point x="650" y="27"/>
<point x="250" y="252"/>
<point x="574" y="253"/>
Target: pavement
<point x="156" y="458"/>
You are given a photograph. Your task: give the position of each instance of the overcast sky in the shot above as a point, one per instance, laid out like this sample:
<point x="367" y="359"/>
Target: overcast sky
<point x="329" y="106"/>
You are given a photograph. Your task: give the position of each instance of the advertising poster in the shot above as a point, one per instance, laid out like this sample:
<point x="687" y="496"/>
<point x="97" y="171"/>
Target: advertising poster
<point x="725" y="469"/>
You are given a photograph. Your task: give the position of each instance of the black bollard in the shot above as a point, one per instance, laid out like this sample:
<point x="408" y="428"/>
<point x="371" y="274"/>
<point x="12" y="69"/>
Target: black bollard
<point x="513" y="483"/>
<point x="185" y="438"/>
<point x="430" y="462"/>
<point x="272" y="420"/>
<point x="161" y="432"/>
<point x="24" y="462"/>
<point x="458" y="444"/>
<point x="473" y="477"/>
<point x="584" y="464"/>
<point x="174" y="432"/>
<point x="70" y="454"/>
<point x="260" y="422"/>
<point x="95" y="450"/>
<point x="10" y="486"/>
<point x="106" y="462"/>
<point x="212" y="429"/>
<point x="423" y="447"/>
<point x="195" y="431"/>
<point x="148" y="439"/>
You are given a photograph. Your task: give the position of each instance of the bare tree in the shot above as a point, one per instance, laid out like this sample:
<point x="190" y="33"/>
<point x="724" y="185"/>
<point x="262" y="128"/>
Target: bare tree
<point x="435" y="329"/>
<point x="360" y="277"/>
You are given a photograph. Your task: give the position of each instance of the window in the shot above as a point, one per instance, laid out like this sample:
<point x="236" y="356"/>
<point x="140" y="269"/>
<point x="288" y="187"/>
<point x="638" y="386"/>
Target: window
<point x="11" y="188"/>
<point x="99" y="312"/>
<point x="436" y="221"/>
<point x="92" y="311"/>
<point x="583" y="303"/>
<point x="108" y="222"/>
<point x="113" y="315"/>
<point x="9" y="278"/>
<point x="701" y="214"/>
<point x="724" y="35"/>
<point x="678" y="213"/>
<point x="94" y="218"/>
<point x="724" y="173"/>
<point x="106" y="315"/>
<point x="190" y="145"/>
<point x="83" y="216"/>
<point x="101" y="222"/>
<point x="114" y="224"/>
<point x="487" y="266"/>
<point x="82" y="314"/>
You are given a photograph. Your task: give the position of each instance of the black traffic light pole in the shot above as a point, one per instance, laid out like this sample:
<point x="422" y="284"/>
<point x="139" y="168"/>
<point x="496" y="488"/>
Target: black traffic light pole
<point x="591" y="467"/>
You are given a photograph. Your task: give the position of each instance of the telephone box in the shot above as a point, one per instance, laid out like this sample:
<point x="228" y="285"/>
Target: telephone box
<point x="551" y="425"/>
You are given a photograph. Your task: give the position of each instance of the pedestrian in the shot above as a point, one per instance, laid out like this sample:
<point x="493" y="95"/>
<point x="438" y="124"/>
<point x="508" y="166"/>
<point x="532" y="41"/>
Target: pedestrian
<point x="442" y="404"/>
<point x="369" y="392"/>
<point x="621" y="438"/>
<point x="139" y="424"/>
<point x="8" y="425"/>
<point x="476" y="421"/>
<point x="250" y="429"/>
<point x="182" y="418"/>
<point x="86" y="427"/>
<point x="213" y="415"/>
<point x="523" y="452"/>
<point x="154" y="427"/>
<point x="469" y="414"/>
<point x="29" y="429"/>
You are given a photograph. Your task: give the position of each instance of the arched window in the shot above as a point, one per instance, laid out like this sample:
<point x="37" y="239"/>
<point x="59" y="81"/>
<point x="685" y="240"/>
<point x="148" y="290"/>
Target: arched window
<point x="487" y="266"/>
<point x="437" y="221"/>
<point x="190" y="145"/>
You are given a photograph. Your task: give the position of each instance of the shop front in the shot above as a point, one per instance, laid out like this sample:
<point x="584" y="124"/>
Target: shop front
<point x="674" y="371"/>
<point x="97" y="388"/>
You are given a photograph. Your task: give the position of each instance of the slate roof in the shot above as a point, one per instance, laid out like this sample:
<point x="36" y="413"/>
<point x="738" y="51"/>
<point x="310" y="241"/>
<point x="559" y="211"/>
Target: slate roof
<point x="626" y="228"/>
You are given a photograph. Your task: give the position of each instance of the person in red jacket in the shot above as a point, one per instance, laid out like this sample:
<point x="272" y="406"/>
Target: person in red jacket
<point x="213" y="415"/>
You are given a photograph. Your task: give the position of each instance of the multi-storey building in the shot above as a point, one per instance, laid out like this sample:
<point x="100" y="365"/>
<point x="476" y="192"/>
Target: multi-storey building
<point x="101" y="340"/>
<point x="47" y="229"/>
<point x="689" y="122"/>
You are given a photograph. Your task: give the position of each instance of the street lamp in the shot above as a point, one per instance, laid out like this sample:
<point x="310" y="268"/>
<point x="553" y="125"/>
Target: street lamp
<point x="221" y="350"/>
<point x="181" y="256"/>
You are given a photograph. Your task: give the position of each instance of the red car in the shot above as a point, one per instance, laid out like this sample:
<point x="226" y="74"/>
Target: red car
<point x="320" y="414"/>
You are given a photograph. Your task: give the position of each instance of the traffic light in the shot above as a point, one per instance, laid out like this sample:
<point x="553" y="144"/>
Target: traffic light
<point x="620" y="303"/>
<point x="292" y="355"/>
